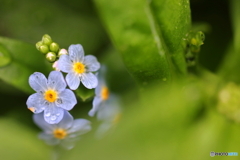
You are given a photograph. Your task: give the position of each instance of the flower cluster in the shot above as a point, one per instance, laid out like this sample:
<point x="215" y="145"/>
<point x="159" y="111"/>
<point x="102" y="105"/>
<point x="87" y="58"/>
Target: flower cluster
<point x="52" y="100"/>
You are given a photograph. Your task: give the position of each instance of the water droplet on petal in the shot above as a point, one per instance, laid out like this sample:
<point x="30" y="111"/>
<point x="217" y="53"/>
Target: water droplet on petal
<point x="47" y="114"/>
<point x="53" y="118"/>
<point x="59" y="101"/>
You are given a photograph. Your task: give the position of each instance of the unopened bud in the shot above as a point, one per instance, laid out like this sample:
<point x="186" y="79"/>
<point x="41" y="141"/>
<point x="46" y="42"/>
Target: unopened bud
<point x="46" y="39"/>
<point x="44" y="49"/>
<point x="54" y="47"/>
<point x="51" y="56"/>
<point x="38" y="44"/>
<point x="62" y="52"/>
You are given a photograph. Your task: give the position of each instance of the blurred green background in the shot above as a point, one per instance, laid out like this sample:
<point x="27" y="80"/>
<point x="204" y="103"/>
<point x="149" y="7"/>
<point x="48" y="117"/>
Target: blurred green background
<point x="179" y="121"/>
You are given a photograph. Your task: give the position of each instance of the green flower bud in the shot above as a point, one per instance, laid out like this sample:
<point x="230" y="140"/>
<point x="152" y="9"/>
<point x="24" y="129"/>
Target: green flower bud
<point x="62" y="52"/>
<point x="38" y="44"/>
<point x="51" y="56"/>
<point x="46" y="39"/>
<point x="54" y="47"/>
<point x="47" y="36"/>
<point x="44" y="49"/>
<point x="228" y="101"/>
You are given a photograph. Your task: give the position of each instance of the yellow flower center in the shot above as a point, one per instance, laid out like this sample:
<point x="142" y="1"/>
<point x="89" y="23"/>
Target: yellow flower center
<point x="79" y="67"/>
<point x="50" y="95"/>
<point x="104" y="93"/>
<point x="59" y="133"/>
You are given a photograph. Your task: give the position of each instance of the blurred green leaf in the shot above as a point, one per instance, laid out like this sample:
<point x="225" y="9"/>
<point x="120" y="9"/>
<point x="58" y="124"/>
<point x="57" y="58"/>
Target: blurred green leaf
<point x="167" y="125"/>
<point x="231" y="60"/>
<point x="133" y="31"/>
<point x="25" y="54"/>
<point x="151" y="129"/>
<point x="4" y="56"/>
<point x="174" y="20"/>
<point x="235" y="9"/>
<point x="84" y="93"/>
<point x="25" y="61"/>
<point x="66" y="22"/>
<point x="20" y="142"/>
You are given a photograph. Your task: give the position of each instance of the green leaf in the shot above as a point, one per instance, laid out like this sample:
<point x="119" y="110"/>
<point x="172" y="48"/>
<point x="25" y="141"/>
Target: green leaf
<point x="132" y="29"/>
<point x="166" y="122"/>
<point x="84" y="93"/>
<point x="25" y="54"/>
<point x="25" y="60"/>
<point x="20" y="142"/>
<point x="174" y="21"/>
<point x="231" y="60"/>
<point x="4" y="56"/>
<point x="235" y="9"/>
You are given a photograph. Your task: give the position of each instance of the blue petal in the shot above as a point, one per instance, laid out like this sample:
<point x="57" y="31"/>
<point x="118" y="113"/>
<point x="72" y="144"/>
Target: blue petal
<point x="102" y="129"/>
<point x="67" y="100"/>
<point x="64" y="63"/>
<point x="36" y="102"/>
<point x="66" y="122"/>
<point x="49" y="139"/>
<point x="96" y="104"/>
<point x="41" y="123"/>
<point x="38" y="82"/>
<point x="56" y="81"/>
<point x="68" y="143"/>
<point x="76" y="53"/>
<point x="53" y="114"/>
<point x="98" y="89"/>
<point x="89" y="80"/>
<point x="80" y="126"/>
<point x="109" y="110"/>
<point x="73" y="80"/>
<point x="91" y="63"/>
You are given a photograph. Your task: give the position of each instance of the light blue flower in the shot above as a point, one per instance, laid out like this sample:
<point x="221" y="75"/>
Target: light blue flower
<point x="109" y="114"/>
<point x="65" y="133"/>
<point x="105" y="106"/>
<point x="79" y="67"/>
<point x="52" y="97"/>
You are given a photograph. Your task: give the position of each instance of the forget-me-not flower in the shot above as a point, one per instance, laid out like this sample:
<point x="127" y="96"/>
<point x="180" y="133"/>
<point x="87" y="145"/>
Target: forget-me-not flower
<point x="109" y="115"/>
<point x="102" y="96"/>
<point x="79" y="67"/>
<point x="64" y="133"/>
<point x="52" y="97"/>
<point x="105" y="106"/>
